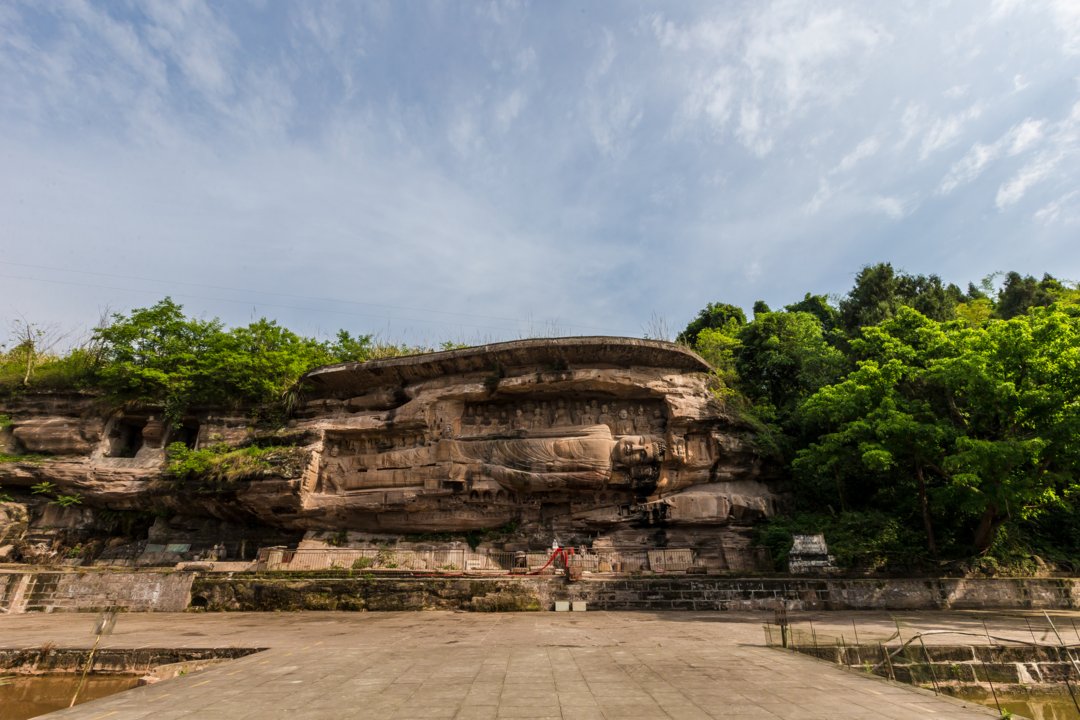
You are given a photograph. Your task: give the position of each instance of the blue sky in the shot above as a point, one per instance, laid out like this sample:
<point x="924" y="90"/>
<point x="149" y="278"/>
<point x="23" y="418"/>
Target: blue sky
<point x="493" y="170"/>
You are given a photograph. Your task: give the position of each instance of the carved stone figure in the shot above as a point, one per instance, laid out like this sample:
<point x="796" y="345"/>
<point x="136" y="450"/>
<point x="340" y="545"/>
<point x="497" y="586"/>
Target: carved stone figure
<point x="605" y="418"/>
<point x="561" y="418"/>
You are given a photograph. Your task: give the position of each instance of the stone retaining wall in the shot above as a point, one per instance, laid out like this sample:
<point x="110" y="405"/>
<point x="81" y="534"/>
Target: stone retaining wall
<point x="296" y="592"/>
<point x="88" y="590"/>
<point x="712" y="593"/>
<point x="266" y="592"/>
<point x="1009" y="668"/>
<point x="119" y="661"/>
<point x="94" y="590"/>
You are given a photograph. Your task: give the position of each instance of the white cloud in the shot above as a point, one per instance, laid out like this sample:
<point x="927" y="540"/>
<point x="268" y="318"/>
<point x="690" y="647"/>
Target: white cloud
<point x="1018" y="139"/>
<point x="751" y="130"/>
<point x="710" y="98"/>
<point x="1067" y="20"/>
<point x="945" y="131"/>
<point x="612" y="120"/>
<point x="796" y="50"/>
<point x="1025" y="135"/>
<point x="768" y="67"/>
<point x="530" y="157"/>
<point x="200" y="43"/>
<point x="509" y="108"/>
<point x="525" y="60"/>
<point x="463" y="134"/>
<point x="867" y="148"/>
<point x="912" y="122"/>
<point x="709" y="34"/>
<point x="1065" y="15"/>
<point x="1032" y="173"/>
<point x="1064" y="210"/>
<point x="606" y="58"/>
<point x="824" y="192"/>
<point x="892" y="207"/>
<point x="969" y="167"/>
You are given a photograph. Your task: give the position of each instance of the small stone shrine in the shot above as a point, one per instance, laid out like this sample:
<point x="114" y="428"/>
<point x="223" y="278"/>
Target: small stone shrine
<point x="810" y="556"/>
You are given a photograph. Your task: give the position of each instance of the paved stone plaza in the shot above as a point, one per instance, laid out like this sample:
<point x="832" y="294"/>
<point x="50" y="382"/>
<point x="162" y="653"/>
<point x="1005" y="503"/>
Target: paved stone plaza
<point x="521" y="665"/>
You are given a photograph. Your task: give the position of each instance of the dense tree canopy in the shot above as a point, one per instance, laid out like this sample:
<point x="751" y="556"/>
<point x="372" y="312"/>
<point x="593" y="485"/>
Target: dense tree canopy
<point x="159" y="356"/>
<point x="880" y="291"/>
<point x="980" y="424"/>
<point x="783" y="357"/>
<point x="956" y="413"/>
<point x="716" y="316"/>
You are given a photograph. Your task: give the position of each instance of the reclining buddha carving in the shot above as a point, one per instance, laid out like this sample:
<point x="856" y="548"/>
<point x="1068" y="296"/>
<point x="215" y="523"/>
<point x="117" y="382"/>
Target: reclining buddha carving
<point x="517" y="430"/>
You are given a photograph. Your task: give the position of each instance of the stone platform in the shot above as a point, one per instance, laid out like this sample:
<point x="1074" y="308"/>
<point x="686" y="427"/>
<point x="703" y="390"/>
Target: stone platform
<point x="511" y="665"/>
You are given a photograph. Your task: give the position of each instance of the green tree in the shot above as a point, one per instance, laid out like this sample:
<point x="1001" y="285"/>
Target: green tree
<point x="347" y="348"/>
<point x="718" y="347"/>
<point x="714" y="315"/>
<point x="782" y="358"/>
<point x="880" y="291"/>
<point x="820" y="307"/>
<point x="977" y="425"/>
<point x="157" y="355"/>
<point x="1020" y="293"/>
<point x="256" y="364"/>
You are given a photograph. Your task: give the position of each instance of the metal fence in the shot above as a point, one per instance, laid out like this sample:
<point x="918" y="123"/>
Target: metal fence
<point x="1020" y="655"/>
<point x="470" y="561"/>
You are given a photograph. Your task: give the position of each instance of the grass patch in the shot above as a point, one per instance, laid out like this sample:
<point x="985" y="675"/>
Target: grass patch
<point x="220" y="468"/>
<point x="23" y="458"/>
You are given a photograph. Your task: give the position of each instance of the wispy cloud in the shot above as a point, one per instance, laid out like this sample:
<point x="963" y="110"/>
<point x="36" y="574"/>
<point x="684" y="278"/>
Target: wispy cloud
<point x="767" y="67"/>
<point x="1018" y="139"/>
<point x="867" y="148"/>
<point x="944" y="131"/>
<point x="892" y="207"/>
<point x="1029" y="175"/>
<point x="514" y="163"/>
<point x="1065" y="210"/>
<point x="1062" y="143"/>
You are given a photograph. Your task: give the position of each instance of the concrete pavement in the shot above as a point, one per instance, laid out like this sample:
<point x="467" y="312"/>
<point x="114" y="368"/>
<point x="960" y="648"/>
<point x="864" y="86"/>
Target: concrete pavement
<point x="574" y="666"/>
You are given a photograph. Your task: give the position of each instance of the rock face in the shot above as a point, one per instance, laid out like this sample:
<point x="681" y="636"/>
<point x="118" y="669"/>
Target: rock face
<point x="597" y="440"/>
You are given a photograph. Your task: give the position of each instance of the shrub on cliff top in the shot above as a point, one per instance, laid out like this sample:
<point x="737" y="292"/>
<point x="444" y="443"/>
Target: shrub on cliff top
<point x="159" y="356"/>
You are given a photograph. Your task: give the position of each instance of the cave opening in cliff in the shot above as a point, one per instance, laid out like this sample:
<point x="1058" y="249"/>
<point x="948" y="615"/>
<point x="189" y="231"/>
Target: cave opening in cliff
<point x="186" y="432"/>
<point x="126" y="437"/>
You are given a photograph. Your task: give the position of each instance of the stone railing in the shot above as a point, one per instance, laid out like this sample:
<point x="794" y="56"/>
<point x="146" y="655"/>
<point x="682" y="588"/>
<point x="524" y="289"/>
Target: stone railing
<point x="450" y="561"/>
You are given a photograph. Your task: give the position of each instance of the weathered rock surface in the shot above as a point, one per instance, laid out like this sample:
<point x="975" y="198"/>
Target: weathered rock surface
<point x="592" y="439"/>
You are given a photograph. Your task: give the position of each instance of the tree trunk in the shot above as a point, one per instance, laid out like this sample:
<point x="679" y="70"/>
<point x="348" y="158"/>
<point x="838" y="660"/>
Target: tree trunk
<point x="924" y="506"/>
<point x="988" y="525"/>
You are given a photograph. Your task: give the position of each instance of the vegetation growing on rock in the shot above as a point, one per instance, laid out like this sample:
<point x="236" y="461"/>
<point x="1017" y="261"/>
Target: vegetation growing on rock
<point x="159" y="356"/>
<point x="220" y="467"/>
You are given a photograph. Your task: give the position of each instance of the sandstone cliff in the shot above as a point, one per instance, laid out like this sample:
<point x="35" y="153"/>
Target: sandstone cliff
<point x="595" y="440"/>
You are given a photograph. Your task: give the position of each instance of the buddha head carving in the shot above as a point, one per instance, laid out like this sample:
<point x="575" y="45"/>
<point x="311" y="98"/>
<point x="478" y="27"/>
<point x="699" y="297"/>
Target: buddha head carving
<point x="635" y="450"/>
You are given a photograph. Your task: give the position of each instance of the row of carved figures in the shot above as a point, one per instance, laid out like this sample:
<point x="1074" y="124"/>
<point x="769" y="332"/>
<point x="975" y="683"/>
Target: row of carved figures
<point x="622" y="418"/>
